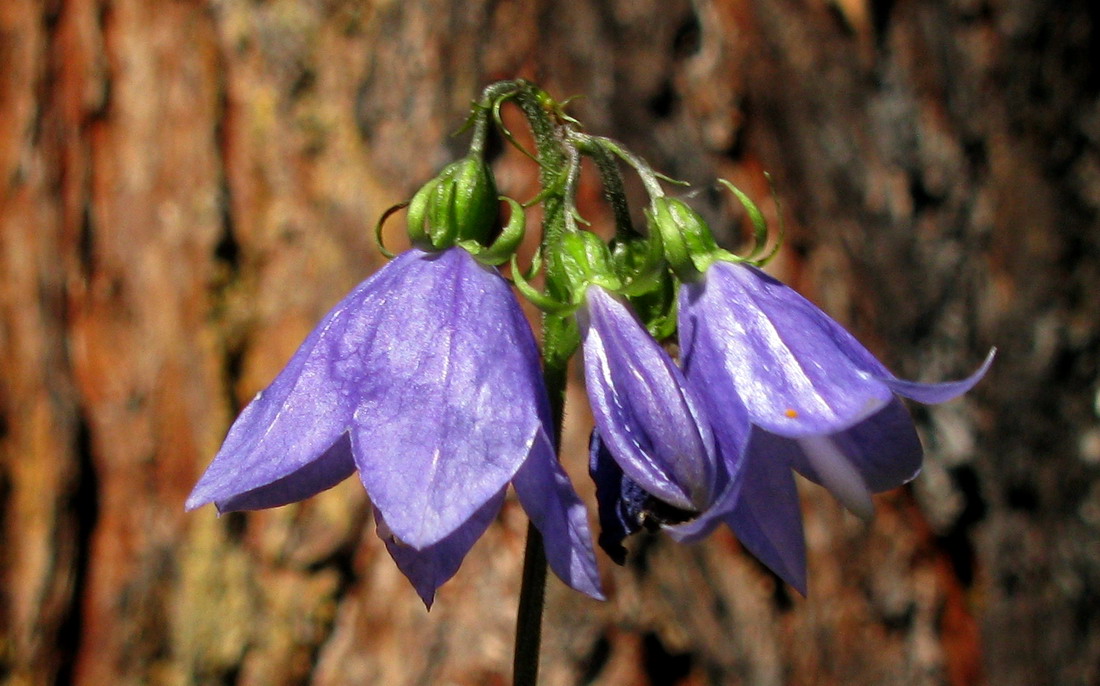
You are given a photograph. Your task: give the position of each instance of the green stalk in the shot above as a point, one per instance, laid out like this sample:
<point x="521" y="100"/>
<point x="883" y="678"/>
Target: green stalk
<point x="559" y="340"/>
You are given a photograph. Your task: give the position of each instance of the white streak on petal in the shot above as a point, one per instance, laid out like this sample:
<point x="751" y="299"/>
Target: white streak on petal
<point x="838" y="475"/>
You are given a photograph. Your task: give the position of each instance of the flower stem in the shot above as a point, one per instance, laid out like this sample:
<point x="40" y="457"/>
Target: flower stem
<point x="559" y="340"/>
<point x="525" y="661"/>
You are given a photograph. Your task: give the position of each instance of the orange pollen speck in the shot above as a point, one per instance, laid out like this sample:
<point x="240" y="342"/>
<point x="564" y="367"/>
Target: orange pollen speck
<point x="792" y="413"/>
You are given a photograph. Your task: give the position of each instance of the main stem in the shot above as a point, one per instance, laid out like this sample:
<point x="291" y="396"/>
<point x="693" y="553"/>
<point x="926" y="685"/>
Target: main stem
<point x="525" y="664"/>
<point x="558" y="342"/>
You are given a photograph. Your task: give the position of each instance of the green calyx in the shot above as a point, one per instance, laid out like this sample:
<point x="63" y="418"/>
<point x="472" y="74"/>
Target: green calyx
<point x="688" y="243"/>
<point x="458" y="205"/>
<point x="504" y="247"/>
<point x="581" y="260"/>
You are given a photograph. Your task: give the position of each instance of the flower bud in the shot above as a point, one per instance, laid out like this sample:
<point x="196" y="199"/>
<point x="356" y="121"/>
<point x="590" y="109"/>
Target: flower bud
<point x="457" y="205"/>
<point x="688" y="242"/>
<point x="582" y="260"/>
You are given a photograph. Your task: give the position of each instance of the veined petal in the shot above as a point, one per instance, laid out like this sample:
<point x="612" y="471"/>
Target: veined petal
<point x="705" y="371"/>
<point x="884" y="449"/>
<point x="548" y="498"/>
<point x="645" y="413"/>
<point x="797" y="371"/>
<point x="332" y="467"/>
<point x="932" y="393"/>
<point x="429" y="567"/>
<point x="305" y="410"/>
<point x="448" y="394"/>
<point x="768" y="518"/>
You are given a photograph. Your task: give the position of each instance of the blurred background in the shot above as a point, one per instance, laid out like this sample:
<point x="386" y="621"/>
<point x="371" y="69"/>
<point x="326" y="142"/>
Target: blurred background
<point x="187" y="186"/>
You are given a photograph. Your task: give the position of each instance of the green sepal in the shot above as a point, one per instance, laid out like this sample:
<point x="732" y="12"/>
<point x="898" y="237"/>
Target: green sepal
<point x="542" y="301"/>
<point x="505" y="245"/>
<point x="639" y="263"/>
<point x="381" y="223"/>
<point x="657" y="307"/>
<point x="760" y="227"/>
<point x="688" y="243"/>
<point x="475" y="202"/>
<point x="759" y="224"/>
<point x="582" y="259"/>
<point x="418" y="208"/>
<point x="442" y="217"/>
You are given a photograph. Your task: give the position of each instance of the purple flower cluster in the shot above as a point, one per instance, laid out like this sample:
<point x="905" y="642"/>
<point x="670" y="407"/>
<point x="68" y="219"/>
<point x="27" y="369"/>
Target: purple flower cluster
<point x="767" y="383"/>
<point x="425" y="381"/>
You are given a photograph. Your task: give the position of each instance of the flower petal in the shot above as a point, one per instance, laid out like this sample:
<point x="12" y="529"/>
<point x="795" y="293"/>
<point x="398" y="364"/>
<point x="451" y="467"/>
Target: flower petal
<point x="448" y="392"/>
<point x="619" y="501"/>
<point x="884" y="449"/>
<point x="304" y="411"/>
<point x="332" y="467"/>
<point x="932" y="393"/>
<point x="798" y="371"/>
<point x="838" y="475"/>
<point x="548" y="497"/>
<point x="728" y="496"/>
<point x="644" y="410"/>
<point x="429" y="567"/>
<point x="768" y="518"/>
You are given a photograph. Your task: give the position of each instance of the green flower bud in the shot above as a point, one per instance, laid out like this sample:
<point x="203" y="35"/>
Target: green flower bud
<point x="460" y="204"/>
<point x="687" y="240"/>
<point x="582" y="260"/>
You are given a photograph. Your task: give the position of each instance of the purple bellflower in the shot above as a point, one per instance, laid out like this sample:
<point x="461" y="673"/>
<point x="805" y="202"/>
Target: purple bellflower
<point x="818" y="401"/>
<point x="654" y="455"/>
<point x="425" y="380"/>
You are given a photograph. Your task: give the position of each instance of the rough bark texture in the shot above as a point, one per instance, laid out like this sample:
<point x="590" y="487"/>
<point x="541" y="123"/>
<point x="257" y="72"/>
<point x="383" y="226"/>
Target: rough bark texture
<point x="185" y="187"/>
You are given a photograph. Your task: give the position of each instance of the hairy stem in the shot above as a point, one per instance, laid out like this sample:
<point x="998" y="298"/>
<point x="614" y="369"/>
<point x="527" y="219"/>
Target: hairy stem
<point x="559" y="340"/>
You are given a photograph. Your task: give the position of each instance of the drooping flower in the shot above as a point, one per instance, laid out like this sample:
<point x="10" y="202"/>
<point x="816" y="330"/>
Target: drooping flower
<point x="425" y="380"/>
<point x="819" y="403"/>
<point x="654" y="456"/>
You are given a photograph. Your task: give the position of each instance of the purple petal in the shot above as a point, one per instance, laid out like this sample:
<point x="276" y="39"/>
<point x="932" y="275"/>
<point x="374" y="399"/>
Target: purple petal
<point x="706" y="373"/>
<point x="449" y="398"/>
<point x="729" y="494"/>
<point x="620" y="502"/>
<point x="334" y="465"/>
<point x="429" y="567"/>
<point x="548" y="497"/>
<point x="797" y="371"/>
<point x="838" y="475"/>
<point x="643" y="408"/>
<point x="296" y="419"/>
<point x="884" y="448"/>
<point x="932" y="393"/>
<point x="768" y="518"/>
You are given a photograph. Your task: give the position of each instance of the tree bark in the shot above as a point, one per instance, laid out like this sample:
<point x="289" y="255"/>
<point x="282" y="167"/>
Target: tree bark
<point x="186" y="187"/>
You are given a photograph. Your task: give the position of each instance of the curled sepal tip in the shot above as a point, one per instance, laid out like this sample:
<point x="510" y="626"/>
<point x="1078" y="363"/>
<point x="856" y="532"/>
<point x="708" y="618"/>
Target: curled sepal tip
<point x="378" y="239"/>
<point x="505" y="131"/>
<point x="540" y="300"/>
<point x="759" y="226"/>
<point x="504" y="247"/>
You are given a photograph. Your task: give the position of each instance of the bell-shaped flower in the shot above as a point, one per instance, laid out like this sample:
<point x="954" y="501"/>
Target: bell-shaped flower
<point x="818" y="401"/>
<point x="654" y="456"/>
<point x="425" y="380"/>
